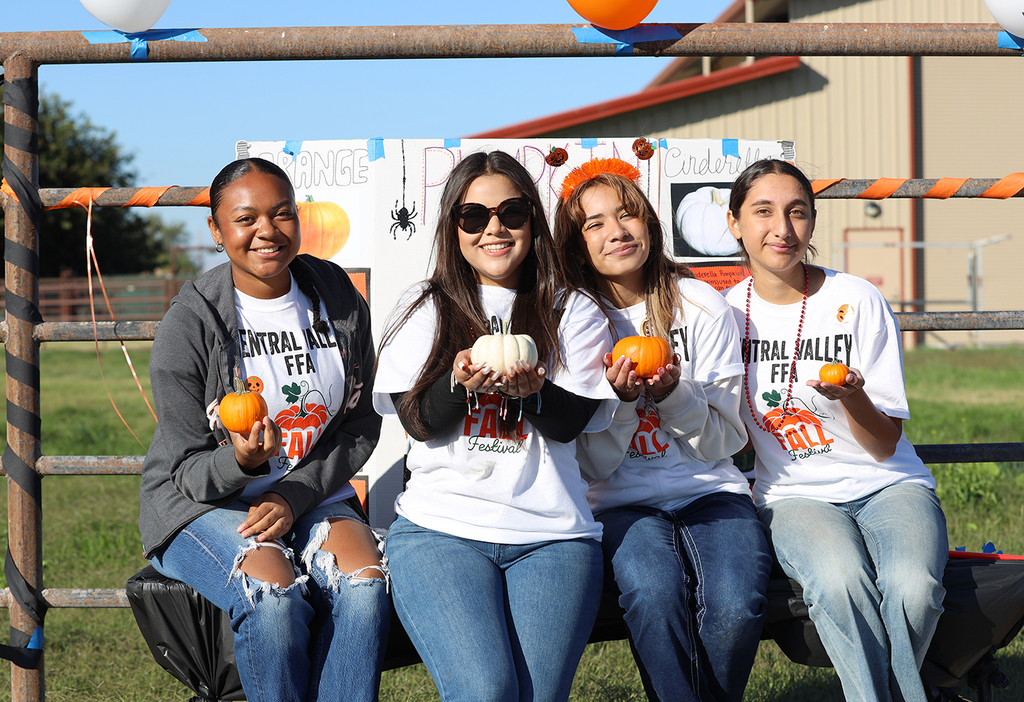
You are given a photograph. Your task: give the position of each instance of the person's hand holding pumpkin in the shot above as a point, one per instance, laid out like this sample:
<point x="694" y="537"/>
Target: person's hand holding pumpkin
<point x="839" y="392"/>
<point x="475" y="377"/>
<point x="522" y="380"/>
<point x="622" y="375"/>
<point x="270" y="517"/>
<point x="664" y="381"/>
<point x="250" y="451"/>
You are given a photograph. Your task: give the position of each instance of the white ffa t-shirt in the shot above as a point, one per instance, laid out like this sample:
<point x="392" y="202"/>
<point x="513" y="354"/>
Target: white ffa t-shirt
<point x="812" y="452"/>
<point x="475" y="485"/>
<point x="661" y="469"/>
<point x="300" y="371"/>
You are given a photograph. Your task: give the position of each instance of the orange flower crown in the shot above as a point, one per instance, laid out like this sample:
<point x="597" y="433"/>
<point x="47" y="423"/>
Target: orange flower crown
<point x="595" y="167"/>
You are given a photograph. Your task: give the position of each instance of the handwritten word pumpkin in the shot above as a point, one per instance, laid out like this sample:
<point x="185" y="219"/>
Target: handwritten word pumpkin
<point x="834" y="373"/>
<point x="241" y="409"/>
<point x="501" y="351"/>
<point x="648" y="353"/>
<point x="324" y="226"/>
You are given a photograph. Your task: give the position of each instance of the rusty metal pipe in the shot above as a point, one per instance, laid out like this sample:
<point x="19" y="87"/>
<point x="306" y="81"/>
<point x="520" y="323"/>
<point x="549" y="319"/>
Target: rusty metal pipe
<point x="183" y="196"/>
<point x="517" y="41"/>
<point x="146" y="331"/>
<point x="24" y="511"/>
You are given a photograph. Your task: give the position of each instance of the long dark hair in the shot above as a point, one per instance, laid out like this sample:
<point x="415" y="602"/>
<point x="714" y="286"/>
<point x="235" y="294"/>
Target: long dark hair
<point x="660" y="272"/>
<point x="452" y="288"/>
<point x="242" y="167"/>
<point x="750" y="175"/>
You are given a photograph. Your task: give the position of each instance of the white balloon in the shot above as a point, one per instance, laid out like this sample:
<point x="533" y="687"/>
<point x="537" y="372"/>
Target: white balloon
<point x="1009" y="14"/>
<point x="127" y="15"/>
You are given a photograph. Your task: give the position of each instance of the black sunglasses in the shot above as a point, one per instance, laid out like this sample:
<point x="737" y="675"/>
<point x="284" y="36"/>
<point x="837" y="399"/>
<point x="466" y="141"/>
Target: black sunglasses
<point x="473" y="218"/>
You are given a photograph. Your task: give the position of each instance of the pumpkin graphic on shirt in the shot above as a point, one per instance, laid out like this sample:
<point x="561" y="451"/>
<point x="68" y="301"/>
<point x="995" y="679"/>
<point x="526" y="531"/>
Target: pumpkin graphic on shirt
<point x="302" y="422"/>
<point x="796" y="429"/>
<point x="645" y="439"/>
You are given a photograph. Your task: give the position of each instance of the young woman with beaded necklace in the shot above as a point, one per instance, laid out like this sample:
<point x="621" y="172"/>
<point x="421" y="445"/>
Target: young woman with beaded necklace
<point x="851" y="510"/>
<point x="681" y="537"/>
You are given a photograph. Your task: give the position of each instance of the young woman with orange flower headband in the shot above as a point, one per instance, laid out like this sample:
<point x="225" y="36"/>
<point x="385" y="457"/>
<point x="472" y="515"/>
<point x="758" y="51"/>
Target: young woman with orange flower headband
<point x="681" y="537"/>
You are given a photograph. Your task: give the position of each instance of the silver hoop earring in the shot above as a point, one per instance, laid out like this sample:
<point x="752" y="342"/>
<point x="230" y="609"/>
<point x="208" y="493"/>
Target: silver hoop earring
<point x="220" y="248"/>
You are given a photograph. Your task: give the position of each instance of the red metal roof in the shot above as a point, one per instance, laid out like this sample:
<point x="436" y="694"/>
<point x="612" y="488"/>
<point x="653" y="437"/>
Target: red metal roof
<point x="645" y="98"/>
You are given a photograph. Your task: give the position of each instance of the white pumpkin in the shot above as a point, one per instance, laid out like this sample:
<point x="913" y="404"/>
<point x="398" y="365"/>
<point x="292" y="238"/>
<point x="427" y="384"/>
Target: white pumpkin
<point x="501" y="351"/>
<point x="702" y="222"/>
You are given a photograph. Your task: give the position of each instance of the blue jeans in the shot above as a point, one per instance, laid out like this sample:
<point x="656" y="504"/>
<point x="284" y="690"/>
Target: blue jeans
<point x="328" y="644"/>
<point x="871" y="571"/>
<point x="495" y="622"/>
<point x="693" y="587"/>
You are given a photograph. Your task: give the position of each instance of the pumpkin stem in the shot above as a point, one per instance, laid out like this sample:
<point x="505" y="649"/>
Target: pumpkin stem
<point x="240" y="388"/>
<point x="309" y="198"/>
<point x="716" y="197"/>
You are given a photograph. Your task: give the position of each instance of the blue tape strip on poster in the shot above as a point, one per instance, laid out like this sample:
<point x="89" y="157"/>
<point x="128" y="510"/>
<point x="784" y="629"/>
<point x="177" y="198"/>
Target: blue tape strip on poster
<point x="452" y="143"/>
<point x="292" y="147"/>
<point x="624" y="39"/>
<point x="589" y="143"/>
<point x="375" y="148"/>
<point x="731" y="147"/>
<point x="140" y="40"/>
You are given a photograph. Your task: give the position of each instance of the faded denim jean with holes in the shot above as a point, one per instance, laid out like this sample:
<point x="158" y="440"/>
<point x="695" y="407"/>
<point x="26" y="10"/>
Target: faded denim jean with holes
<point x="693" y="584"/>
<point x="495" y="622"/>
<point x="871" y="570"/>
<point x="322" y="638"/>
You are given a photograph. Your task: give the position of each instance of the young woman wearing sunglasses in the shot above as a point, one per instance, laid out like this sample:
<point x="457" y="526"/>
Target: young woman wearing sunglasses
<point x="495" y="556"/>
<point x="681" y="537"/>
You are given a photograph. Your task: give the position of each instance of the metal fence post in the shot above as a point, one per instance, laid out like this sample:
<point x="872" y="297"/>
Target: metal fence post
<point x="21" y="271"/>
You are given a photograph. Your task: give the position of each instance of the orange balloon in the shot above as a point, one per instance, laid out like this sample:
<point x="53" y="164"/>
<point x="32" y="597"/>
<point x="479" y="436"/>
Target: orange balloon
<point x="614" y="14"/>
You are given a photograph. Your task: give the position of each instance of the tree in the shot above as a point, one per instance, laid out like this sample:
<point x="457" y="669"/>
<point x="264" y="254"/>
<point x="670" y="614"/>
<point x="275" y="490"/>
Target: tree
<point x="74" y="153"/>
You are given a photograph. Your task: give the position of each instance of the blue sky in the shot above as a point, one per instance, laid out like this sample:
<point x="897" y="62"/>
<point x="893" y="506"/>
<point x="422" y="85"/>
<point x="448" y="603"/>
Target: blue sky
<point x="180" y="121"/>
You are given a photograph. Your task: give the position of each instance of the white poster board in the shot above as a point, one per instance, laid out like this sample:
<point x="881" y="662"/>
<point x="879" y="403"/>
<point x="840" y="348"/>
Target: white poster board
<point x="389" y="190"/>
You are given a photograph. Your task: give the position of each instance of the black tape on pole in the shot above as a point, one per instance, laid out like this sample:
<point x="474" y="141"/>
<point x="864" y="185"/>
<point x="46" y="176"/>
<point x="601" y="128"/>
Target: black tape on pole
<point x="25" y="649"/>
<point x="21" y="139"/>
<point x="23" y="95"/>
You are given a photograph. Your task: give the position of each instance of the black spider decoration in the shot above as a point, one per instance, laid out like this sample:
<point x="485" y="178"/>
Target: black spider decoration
<point x="403" y="216"/>
<point x="403" y="220"/>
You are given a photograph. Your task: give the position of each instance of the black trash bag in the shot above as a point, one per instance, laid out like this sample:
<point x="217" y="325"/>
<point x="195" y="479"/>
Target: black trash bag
<point x="188" y="636"/>
<point x="984" y="611"/>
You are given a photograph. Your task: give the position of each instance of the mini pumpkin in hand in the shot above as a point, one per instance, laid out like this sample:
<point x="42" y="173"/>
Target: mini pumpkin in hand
<point x="834" y="373"/>
<point x="648" y="353"/>
<point x="501" y="351"/>
<point x="241" y="409"/>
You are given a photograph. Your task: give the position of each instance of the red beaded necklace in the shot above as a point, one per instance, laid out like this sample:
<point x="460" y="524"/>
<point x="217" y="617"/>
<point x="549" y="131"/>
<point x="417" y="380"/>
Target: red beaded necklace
<point x="796" y="352"/>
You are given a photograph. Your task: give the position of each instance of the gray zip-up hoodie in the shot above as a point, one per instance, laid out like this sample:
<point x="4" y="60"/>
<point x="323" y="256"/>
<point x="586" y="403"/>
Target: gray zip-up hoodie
<point x="191" y="469"/>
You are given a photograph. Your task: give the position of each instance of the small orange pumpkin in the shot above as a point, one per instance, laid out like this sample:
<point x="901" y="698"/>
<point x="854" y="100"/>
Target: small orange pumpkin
<point x="834" y="373"/>
<point x="241" y="409"/>
<point x="649" y="353"/>
<point x="324" y="226"/>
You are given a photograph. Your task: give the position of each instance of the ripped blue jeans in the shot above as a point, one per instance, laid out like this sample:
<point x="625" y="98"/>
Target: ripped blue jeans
<point x="321" y="638"/>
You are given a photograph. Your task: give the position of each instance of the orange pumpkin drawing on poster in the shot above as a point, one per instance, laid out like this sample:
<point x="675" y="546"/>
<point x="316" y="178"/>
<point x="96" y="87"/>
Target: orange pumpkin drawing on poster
<point x="796" y="430"/>
<point x="325" y="228"/>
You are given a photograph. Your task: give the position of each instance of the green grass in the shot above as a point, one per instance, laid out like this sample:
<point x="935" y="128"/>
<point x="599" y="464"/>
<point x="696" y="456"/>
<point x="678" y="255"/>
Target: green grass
<point x="90" y="538"/>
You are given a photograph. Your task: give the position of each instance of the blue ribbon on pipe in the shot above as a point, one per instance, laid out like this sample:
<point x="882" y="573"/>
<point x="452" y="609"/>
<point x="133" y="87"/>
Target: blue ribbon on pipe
<point x="140" y="40"/>
<point x="624" y="39"/>
<point x="1011" y="41"/>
